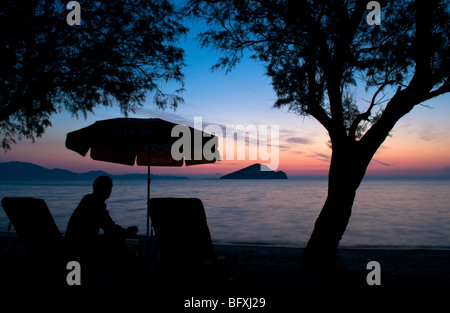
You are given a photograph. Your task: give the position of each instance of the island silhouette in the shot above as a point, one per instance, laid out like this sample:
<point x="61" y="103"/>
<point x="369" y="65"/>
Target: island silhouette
<point x="15" y="170"/>
<point x="256" y="171"/>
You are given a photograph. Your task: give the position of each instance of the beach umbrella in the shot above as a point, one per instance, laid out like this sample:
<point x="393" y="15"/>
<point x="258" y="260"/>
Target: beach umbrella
<point x="145" y="142"/>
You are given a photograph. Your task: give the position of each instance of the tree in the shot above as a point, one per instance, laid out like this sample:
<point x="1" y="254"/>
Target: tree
<point x="122" y="51"/>
<point x="316" y="52"/>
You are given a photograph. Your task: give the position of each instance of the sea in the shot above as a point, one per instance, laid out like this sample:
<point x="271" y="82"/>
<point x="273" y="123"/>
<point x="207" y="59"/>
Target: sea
<point x="387" y="213"/>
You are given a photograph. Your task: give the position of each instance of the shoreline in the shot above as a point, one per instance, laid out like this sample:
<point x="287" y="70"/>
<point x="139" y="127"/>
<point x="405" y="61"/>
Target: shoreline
<point x="356" y="247"/>
<point x="4" y="235"/>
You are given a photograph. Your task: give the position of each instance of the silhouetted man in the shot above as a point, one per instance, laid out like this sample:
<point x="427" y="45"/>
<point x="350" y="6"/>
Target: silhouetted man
<point x="83" y="229"/>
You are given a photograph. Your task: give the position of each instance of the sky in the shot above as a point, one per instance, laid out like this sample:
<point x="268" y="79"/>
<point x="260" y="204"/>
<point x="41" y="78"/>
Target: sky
<point x="419" y="145"/>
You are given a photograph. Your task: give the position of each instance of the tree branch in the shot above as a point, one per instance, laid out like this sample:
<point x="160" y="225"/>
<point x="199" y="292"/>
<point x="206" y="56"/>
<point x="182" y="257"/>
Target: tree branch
<point x="441" y="90"/>
<point x="365" y="116"/>
<point x="334" y="72"/>
<point x="316" y="111"/>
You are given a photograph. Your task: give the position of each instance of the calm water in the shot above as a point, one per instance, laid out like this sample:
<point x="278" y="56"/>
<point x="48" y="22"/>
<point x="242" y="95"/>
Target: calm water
<point x="387" y="212"/>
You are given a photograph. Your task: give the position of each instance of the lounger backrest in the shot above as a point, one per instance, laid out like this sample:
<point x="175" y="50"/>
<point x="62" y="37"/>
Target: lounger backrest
<point x="34" y="225"/>
<point x="181" y="228"/>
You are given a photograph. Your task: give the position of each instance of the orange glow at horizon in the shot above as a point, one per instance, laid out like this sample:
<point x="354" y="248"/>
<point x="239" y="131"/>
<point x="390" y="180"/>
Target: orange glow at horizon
<point x="415" y="148"/>
<point x="396" y="157"/>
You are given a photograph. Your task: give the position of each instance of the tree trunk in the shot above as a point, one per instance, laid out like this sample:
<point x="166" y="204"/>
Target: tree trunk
<point x="347" y="170"/>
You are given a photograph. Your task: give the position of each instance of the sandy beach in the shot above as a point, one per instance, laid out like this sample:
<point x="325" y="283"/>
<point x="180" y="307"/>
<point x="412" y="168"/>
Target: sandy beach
<point x="263" y="278"/>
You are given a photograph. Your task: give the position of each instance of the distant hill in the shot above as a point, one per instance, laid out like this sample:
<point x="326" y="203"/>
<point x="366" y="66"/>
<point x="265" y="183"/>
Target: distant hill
<point x="255" y="172"/>
<point x="29" y="171"/>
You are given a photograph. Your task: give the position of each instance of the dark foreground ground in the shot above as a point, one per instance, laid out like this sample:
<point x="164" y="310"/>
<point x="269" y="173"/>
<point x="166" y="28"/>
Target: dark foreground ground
<point x="255" y="279"/>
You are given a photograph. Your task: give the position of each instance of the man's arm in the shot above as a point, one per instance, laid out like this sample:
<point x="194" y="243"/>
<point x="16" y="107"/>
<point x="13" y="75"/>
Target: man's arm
<point x="109" y="226"/>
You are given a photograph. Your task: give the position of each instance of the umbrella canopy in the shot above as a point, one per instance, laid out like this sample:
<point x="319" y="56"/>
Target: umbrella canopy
<point x="145" y="142"/>
<point x="131" y="140"/>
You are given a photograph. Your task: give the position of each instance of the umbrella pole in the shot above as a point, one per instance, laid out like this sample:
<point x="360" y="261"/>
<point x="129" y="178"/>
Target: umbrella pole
<point x="148" y="189"/>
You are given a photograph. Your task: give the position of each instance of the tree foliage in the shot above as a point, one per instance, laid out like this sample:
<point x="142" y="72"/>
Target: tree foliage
<point x="122" y="51"/>
<point x="317" y="51"/>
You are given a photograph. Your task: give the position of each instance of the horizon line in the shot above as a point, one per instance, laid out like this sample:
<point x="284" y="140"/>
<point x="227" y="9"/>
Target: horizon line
<point x="216" y="175"/>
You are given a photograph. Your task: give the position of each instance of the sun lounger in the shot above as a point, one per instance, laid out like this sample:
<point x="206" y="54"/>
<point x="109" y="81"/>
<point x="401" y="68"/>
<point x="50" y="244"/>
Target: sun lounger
<point x="183" y="237"/>
<point x="35" y="226"/>
<point x="181" y="229"/>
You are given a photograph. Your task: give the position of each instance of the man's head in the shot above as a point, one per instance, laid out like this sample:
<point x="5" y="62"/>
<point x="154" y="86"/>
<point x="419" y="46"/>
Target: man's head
<point x="103" y="186"/>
